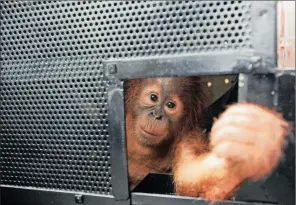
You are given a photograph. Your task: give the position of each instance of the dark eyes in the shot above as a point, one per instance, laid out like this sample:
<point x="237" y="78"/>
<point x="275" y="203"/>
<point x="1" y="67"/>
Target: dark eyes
<point x="153" y="97"/>
<point x="171" y="105"/>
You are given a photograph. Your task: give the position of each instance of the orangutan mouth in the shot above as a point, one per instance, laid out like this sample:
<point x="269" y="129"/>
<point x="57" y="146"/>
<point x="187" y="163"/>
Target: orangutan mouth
<point x="149" y="134"/>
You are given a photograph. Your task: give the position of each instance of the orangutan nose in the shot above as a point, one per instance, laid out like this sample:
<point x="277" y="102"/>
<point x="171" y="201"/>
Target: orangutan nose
<point x="157" y="115"/>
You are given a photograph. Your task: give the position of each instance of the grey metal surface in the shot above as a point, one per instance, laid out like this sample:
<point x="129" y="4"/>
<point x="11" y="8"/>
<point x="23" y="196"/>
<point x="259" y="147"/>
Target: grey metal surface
<point x="156" y="199"/>
<point x="34" y="30"/>
<point x="33" y="196"/>
<point x="259" y="89"/>
<point x="43" y="197"/>
<point x="237" y="38"/>
<point x="54" y="128"/>
<point x="119" y="166"/>
<point x="215" y="63"/>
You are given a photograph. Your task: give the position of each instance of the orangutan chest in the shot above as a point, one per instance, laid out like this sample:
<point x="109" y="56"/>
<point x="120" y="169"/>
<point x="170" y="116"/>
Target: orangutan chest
<point x="139" y="169"/>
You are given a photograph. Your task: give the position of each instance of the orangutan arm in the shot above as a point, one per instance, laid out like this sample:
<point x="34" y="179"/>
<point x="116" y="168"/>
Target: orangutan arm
<point x="246" y="142"/>
<point x="199" y="173"/>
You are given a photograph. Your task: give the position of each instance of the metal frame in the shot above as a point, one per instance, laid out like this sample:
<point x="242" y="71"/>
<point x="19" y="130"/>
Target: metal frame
<point x="156" y="199"/>
<point x="45" y="197"/>
<point x="21" y="195"/>
<point x="119" y="167"/>
<point x="260" y="59"/>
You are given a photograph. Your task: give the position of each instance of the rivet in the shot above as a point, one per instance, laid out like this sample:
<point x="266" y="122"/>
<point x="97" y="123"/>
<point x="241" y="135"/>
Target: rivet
<point x="263" y="12"/>
<point x="78" y="199"/>
<point x="250" y="66"/>
<point x="112" y="69"/>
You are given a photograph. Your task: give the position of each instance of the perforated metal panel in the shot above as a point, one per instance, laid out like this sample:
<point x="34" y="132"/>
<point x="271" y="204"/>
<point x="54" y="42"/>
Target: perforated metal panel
<point x="41" y="30"/>
<point x="54" y="128"/>
<point x="53" y="112"/>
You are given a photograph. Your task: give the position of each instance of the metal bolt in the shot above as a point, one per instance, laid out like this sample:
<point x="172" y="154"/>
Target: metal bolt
<point x="250" y="66"/>
<point x="78" y="199"/>
<point x="241" y="84"/>
<point x="112" y="69"/>
<point x="256" y="61"/>
<point x="241" y="80"/>
<point x="263" y="12"/>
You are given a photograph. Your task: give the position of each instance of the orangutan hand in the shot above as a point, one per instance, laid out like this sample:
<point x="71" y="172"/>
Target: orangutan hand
<point x="246" y="141"/>
<point x="250" y="139"/>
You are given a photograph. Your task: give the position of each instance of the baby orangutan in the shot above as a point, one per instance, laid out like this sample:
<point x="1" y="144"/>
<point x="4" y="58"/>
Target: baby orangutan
<point x="163" y="119"/>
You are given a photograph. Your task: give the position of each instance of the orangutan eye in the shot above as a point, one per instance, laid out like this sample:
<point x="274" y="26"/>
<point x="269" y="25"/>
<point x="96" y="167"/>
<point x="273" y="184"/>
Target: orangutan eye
<point x="153" y="97"/>
<point x="171" y="105"/>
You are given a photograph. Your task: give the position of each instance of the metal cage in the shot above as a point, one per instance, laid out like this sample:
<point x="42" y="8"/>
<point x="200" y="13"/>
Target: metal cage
<point x="63" y="64"/>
